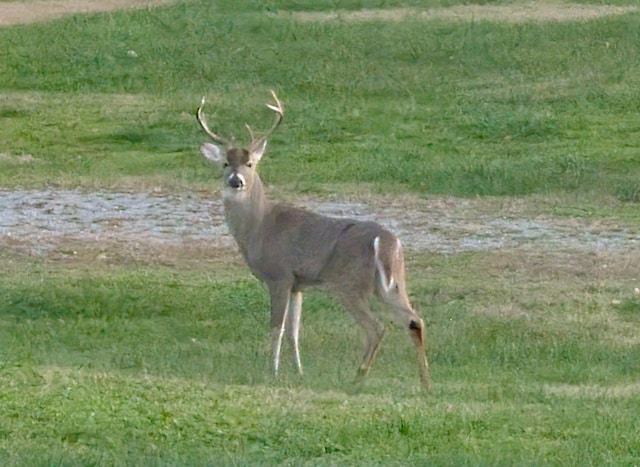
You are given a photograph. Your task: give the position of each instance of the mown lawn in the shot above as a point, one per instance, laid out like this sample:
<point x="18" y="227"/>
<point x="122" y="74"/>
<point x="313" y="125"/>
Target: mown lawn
<point x="448" y="107"/>
<point x="169" y="365"/>
<point x="535" y="354"/>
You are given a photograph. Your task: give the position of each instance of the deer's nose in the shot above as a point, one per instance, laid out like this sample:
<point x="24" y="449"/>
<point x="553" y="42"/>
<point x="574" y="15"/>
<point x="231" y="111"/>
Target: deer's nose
<point x="236" y="182"/>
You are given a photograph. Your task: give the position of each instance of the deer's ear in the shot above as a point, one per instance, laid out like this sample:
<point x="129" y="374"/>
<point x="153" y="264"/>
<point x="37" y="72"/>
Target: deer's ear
<point x="212" y="153"/>
<point x="257" y="150"/>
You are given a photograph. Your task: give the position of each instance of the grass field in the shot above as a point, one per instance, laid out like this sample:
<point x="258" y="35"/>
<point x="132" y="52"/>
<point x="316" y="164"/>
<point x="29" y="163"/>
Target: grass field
<point x="115" y="354"/>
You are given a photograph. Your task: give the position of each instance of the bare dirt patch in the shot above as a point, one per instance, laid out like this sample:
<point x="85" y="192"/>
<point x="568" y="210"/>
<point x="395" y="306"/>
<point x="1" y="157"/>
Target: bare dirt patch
<point x="12" y="13"/>
<point x="39" y="222"/>
<point x="512" y="13"/>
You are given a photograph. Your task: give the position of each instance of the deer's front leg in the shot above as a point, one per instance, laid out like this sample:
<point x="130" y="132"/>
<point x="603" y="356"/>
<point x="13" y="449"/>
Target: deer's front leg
<point x="280" y="293"/>
<point x="293" y="326"/>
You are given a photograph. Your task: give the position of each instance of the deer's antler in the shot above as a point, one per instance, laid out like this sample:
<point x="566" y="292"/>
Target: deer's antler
<point x="278" y="108"/>
<point x="205" y="127"/>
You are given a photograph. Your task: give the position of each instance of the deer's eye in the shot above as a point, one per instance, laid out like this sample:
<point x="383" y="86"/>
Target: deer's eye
<point x="249" y="164"/>
<point x="225" y="165"/>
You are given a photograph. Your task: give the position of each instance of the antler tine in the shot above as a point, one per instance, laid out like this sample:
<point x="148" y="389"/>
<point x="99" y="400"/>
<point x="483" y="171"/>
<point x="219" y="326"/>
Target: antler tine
<point x="205" y="127"/>
<point x="251" y="135"/>
<point x="278" y="108"/>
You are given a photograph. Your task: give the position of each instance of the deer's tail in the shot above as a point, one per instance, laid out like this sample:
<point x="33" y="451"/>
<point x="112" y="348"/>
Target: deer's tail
<point x="384" y="264"/>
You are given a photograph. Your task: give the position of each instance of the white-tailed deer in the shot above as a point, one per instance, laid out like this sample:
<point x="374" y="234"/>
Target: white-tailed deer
<point x="290" y="249"/>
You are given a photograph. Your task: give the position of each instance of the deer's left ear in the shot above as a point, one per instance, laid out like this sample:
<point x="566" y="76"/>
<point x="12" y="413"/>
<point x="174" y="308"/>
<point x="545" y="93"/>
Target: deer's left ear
<point x="257" y="150"/>
<point x="212" y="153"/>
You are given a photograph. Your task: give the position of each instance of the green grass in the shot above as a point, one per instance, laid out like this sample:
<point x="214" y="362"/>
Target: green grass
<point x="157" y="365"/>
<point x="135" y="361"/>
<point x="483" y="108"/>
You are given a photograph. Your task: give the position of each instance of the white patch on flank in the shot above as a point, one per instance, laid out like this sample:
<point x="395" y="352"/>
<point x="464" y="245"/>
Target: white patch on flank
<point x="386" y="283"/>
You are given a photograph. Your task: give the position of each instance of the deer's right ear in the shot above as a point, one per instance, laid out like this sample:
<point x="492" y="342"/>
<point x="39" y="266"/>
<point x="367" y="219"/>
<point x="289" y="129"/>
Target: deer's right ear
<point x="212" y="153"/>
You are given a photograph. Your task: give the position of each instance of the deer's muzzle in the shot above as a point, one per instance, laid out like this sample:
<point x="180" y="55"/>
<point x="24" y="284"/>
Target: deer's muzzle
<point x="236" y="181"/>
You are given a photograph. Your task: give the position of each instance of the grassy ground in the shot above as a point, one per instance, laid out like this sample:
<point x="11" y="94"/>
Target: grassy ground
<point x="489" y="108"/>
<point x="167" y="364"/>
<point x="146" y="360"/>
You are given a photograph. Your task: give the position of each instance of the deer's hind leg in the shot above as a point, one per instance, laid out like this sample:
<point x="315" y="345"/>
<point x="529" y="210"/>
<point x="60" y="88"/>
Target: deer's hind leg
<point x="391" y="289"/>
<point x="373" y="328"/>
<point x="407" y="317"/>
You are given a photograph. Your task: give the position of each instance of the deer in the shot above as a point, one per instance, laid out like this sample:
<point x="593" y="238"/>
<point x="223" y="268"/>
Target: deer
<point x="290" y="249"/>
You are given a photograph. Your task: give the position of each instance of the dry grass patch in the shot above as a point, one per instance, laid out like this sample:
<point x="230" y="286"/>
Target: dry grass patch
<point x="12" y="13"/>
<point x="566" y="291"/>
<point x="511" y="13"/>
<point x="593" y="391"/>
<point x="16" y="159"/>
<point x="71" y="252"/>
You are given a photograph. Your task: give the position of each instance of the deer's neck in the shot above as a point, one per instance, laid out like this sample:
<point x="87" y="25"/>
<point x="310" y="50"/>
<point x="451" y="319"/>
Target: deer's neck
<point x="245" y="216"/>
